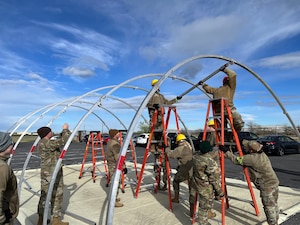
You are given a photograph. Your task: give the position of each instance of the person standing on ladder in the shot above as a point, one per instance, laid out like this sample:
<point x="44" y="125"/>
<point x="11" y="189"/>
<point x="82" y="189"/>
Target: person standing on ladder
<point x="205" y="181"/>
<point x="227" y="91"/>
<point x="262" y="175"/>
<point x="156" y="101"/>
<point x="112" y="156"/>
<point x="49" y="151"/>
<point x="184" y="154"/>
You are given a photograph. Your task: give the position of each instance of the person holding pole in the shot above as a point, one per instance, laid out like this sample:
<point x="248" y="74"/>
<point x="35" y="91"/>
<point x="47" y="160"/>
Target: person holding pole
<point x="261" y="174"/>
<point x="227" y="91"/>
<point x="49" y="151"/>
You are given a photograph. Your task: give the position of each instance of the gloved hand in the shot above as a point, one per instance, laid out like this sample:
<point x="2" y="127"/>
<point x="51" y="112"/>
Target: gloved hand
<point x="156" y="106"/>
<point x="223" y="148"/>
<point x="219" y="194"/>
<point x="200" y="82"/>
<point x="125" y="170"/>
<point x="8" y="215"/>
<point x="179" y="97"/>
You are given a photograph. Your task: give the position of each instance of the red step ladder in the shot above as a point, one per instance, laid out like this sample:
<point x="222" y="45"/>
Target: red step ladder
<point x="223" y="123"/>
<point x="95" y="144"/>
<point x="162" y="157"/>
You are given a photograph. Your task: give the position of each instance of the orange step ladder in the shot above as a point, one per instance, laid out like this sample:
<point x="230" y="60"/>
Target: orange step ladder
<point x="95" y="143"/>
<point x="158" y="164"/>
<point x="223" y="123"/>
<point x="133" y="155"/>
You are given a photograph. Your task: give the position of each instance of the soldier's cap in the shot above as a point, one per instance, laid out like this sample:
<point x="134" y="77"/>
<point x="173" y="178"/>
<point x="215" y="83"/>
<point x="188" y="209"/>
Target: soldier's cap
<point x="204" y="147"/>
<point x="113" y="132"/>
<point x="43" y="131"/>
<point x="253" y="145"/>
<point x="5" y="141"/>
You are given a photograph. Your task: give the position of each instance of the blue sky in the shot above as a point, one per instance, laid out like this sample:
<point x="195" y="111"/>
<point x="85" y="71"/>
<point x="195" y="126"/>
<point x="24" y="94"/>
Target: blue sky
<point x="56" y="50"/>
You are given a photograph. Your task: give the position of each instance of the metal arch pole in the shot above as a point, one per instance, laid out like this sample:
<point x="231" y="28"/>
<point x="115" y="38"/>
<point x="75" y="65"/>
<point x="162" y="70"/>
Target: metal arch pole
<point x="261" y="80"/>
<point x="30" y="125"/>
<point x="273" y="94"/>
<point x="25" y="118"/>
<point x="114" y="186"/>
<point x="115" y="181"/>
<point x="33" y="147"/>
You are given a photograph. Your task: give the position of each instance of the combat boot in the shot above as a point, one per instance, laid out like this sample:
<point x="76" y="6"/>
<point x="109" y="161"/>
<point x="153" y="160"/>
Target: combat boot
<point x="176" y="197"/>
<point x="211" y="214"/>
<point x="118" y="204"/>
<point x="57" y="221"/>
<point x="40" y="221"/>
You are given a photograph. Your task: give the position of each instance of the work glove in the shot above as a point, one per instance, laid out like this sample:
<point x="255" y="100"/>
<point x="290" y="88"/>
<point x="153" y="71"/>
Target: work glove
<point x="223" y="148"/>
<point x="156" y="106"/>
<point x="125" y="170"/>
<point x="8" y="215"/>
<point x="179" y="97"/>
<point x="219" y="194"/>
<point x="200" y="82"/>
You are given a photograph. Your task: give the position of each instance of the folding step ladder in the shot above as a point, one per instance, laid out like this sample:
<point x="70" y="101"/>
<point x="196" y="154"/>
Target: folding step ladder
<point x="95" y="144"/>
<point x="132" y="150"/>
<point x="225" y="135"/>
<point x="158" y="138"/>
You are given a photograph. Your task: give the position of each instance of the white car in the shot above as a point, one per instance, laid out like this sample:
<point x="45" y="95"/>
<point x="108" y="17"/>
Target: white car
<point x="142" y="139"/>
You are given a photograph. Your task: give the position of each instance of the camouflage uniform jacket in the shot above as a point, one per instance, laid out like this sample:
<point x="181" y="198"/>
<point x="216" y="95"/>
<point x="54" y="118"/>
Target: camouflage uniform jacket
<point x="260" y="169"/>
<point x="183" y="153"/>
<point x="112" y="153"/>
<point x="9" y="200"/>
<point x="49" y="151"/>
<point x="225" y="91"/>
<point x="158" y="98"/>
<point x="206" y="171"/>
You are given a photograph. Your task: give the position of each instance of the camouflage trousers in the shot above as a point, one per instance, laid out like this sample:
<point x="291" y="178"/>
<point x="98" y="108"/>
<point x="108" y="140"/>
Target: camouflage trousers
<point x="238" y="122"/>
<point x="158" y="124"/>
<point x="57" y="193"/>
<point x="205" y="198"/>
<point x="181" y="175"/>
<point x="111" y="171"/>
<point x="269" y="197"/>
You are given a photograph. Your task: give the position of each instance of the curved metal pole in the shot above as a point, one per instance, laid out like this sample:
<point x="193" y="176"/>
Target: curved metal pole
<point x="32" y="149"/>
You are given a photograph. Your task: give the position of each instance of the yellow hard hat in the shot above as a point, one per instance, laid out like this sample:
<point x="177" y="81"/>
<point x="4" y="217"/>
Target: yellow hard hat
<point x="154" y="82"/>
<point x="211" y="123"/>
<point x="180" y="137"/>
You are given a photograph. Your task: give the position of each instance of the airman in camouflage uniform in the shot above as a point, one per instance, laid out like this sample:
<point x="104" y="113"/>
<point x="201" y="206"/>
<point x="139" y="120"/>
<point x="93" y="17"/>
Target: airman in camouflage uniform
<point x="261" y="174"/>
<point x="49" y="151"/>
<point x="112" y="157"/>
<point x="156" y="101"/>
<point x="184" y="154"/>
<point x="205" y="182"/>
<point x="9" y="199"/>
<point x="227" y="91"/>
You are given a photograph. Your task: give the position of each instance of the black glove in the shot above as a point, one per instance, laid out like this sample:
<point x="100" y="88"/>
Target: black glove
<point x="219" y="194"/>
<point x="179" y="97"/>
<point x="223" y="148"/>
<point x="125" y="170"/>
<point x="200" y="82"/>
<point x="8" y="215"/>
<point x="156" y="106"/>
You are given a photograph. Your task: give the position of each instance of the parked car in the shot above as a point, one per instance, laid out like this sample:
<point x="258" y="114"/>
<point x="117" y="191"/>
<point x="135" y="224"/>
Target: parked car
<point x="142" y="139"/>
<point x="245" y="135"/>
<point x="279" y="145"/>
